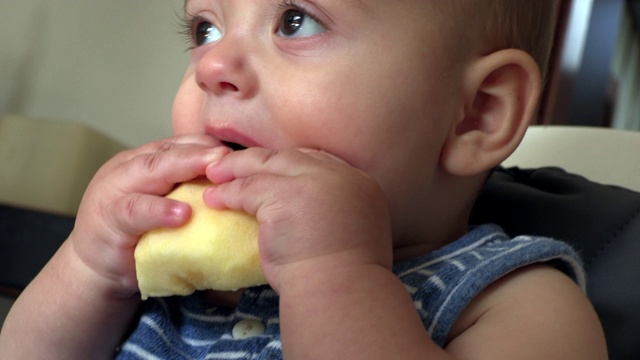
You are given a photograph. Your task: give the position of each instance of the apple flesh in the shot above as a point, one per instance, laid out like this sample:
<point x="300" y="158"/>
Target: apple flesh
<point x="215" y="249"/>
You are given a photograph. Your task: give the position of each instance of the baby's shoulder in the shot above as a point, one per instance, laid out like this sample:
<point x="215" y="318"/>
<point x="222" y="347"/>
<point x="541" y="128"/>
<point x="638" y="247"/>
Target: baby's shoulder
<point x="444" y="283"/>
<point x="527" y="311"/>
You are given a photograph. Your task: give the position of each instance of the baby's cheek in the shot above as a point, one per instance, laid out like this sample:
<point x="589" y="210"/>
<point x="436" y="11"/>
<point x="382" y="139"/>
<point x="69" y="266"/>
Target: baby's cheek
<point x="186" y="115"/>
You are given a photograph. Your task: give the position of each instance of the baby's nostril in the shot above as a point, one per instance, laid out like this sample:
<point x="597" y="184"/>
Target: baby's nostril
<point x="228" y="86"/>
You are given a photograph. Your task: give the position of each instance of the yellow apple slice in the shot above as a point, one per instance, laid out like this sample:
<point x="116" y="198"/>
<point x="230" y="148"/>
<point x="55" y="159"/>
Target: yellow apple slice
<point x="216" y="249"/>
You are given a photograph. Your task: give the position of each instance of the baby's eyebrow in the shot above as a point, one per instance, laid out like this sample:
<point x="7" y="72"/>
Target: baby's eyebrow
<point x="359" y="3"/>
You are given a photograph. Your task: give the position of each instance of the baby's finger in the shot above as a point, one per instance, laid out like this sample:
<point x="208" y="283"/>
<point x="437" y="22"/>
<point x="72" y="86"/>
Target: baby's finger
<point x="251" y="161"/>
<point x="249" y="194"/>
<point x="173" y="142"/>
<point x="156" y="173"/>
<point x="138" y="213"/>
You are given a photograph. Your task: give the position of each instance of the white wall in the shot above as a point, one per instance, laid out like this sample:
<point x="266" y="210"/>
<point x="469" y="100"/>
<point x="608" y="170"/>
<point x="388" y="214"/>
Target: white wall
<point x="114" y="65"/>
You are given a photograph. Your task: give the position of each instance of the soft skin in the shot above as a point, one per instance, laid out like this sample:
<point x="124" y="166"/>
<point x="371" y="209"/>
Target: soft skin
<point x="368" y="138"/>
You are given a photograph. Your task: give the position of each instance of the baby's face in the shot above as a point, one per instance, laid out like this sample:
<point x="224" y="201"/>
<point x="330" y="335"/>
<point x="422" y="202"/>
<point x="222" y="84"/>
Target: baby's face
<point x="373" y="82"/>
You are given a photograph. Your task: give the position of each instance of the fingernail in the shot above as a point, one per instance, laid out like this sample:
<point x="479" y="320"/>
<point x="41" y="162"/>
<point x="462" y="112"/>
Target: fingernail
<point x="180" y="212"/>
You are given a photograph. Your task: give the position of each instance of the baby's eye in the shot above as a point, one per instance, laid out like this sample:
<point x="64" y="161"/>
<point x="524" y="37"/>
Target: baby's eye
<point x="296" y="24"/>
<point x="204" y="32"/>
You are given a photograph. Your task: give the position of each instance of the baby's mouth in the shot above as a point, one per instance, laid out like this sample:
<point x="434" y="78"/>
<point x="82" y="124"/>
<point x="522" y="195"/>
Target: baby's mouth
<point x="233" y="146"/>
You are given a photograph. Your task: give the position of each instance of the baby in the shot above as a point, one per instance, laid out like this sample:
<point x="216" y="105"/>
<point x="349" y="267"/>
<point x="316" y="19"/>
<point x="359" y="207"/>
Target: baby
<point x="359" y="133"/>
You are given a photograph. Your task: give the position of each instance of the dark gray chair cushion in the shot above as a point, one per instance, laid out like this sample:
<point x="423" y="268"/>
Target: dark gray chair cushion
<point x="602" y="222"/>
<point x="28" y="239"/>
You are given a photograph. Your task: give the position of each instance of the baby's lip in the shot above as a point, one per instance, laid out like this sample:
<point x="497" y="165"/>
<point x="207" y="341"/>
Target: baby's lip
<point x="231" y="137"/>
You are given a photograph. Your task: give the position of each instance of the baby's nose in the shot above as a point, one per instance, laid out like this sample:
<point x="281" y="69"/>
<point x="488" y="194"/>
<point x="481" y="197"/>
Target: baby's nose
<point x="224" y="69"/>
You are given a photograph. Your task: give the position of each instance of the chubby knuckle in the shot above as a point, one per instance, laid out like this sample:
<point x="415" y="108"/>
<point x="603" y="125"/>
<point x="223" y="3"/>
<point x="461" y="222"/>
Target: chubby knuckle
<point x="151" y="162"/>
<point x="274" y="215"/>
<point x="267" y="156"/>
<point x="246" y="184"/>
<point x="166" y="146"/>
<point x="111" y="215"/>
<point x="130" y="207"/>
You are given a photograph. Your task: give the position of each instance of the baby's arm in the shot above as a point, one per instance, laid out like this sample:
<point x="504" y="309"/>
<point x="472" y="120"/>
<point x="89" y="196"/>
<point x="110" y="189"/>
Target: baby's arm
<point x="66" y="313"/>
<point x="82" y="302"/>
<point x="361" y="312"/>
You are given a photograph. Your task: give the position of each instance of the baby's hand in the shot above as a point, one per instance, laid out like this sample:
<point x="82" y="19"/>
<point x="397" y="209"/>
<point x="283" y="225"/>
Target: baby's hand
<point x="124" y="200"/>
<point x="314" y="210"/>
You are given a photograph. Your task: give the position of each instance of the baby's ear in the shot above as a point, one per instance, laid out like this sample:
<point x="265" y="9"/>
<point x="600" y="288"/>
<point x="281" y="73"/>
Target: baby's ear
<point x="501" y="95"/>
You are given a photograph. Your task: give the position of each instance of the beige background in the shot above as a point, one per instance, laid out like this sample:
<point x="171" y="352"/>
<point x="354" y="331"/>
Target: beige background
<point x="114" y="65"/>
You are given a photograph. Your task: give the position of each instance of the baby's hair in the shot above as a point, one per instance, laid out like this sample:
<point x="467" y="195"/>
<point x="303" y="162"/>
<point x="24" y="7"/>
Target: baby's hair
<point x="528" y="25"/>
